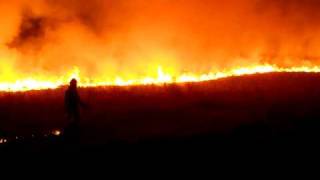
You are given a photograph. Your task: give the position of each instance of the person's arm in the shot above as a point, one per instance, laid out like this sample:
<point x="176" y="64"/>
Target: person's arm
<point x="82" y="103"/>
<point x="66" y="102"/>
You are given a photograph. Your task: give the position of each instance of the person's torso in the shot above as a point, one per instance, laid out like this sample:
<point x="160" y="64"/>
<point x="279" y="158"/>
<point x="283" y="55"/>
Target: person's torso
<point x="72" y="99"/>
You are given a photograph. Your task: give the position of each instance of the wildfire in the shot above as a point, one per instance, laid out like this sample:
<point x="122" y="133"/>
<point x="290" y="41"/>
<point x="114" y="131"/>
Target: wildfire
<point x="45" y="43"/>
<point x="161" y="77"/>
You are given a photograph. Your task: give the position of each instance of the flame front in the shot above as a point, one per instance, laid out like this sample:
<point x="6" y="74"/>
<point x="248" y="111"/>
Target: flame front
<point x="45" y="43"/>
<point x="39" y="83"/>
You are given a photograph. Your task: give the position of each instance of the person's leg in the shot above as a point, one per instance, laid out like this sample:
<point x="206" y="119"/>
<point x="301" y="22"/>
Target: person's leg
<point x="71" y="132"/>
<point x="76" y="116"/>
<point x="76" y="127"/>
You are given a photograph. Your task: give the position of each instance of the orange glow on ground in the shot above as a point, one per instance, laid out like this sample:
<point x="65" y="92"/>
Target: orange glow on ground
<point x="3" y="141"/>
<point x="56" y="132"/>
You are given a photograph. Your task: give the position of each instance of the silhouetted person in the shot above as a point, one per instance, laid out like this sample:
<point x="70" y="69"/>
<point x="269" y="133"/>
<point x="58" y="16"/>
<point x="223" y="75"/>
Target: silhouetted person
<point x="72" y="105"/>
<point x="73" y="102"/>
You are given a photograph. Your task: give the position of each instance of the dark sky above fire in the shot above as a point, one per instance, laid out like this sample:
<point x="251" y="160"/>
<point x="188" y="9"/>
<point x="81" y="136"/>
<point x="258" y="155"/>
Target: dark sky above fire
<point x="134" y="36"/>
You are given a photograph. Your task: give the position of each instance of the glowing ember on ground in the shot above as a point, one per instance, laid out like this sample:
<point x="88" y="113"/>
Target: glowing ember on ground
<point x="3" y="141"/>
<point x="161" y="77"/>
<point x="56" y="132"/>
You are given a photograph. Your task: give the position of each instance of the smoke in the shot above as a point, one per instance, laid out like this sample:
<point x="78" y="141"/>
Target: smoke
<point x="108" y="38"/>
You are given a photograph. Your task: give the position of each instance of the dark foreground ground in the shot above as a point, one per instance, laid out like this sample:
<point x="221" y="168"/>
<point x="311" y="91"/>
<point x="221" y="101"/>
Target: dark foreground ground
<point x="269" y="110"/>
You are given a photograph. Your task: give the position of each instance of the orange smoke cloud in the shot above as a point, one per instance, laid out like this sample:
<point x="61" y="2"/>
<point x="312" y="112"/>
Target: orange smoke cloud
<point x="130" y="39"/>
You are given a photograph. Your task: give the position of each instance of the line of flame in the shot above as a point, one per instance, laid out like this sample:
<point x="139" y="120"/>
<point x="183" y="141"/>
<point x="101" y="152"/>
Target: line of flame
<point x="161" y="78"/>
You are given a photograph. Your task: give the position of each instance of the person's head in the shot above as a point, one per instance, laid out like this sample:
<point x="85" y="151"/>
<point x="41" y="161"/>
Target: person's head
<point x="73" y="84"/>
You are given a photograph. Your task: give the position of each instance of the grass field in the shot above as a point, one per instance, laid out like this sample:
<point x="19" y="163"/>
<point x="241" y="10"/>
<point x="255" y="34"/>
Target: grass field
<point x="255" y="107"/>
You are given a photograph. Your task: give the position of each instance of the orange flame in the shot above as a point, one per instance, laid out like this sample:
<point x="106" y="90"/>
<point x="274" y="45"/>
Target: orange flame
<point x="138" y="42"/>
<point x="162" y="77"/>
